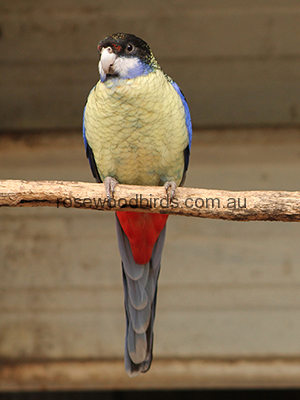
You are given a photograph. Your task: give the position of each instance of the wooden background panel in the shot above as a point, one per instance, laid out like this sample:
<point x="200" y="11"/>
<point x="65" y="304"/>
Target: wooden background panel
<point x="236" y="61"/>
<point x="65" y="36"/>
<point x="43" y="30"/>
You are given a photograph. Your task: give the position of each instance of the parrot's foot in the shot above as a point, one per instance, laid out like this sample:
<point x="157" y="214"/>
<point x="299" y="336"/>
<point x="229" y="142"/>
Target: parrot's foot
<point x="173" y="187"/>
<point x="110" y="185"/>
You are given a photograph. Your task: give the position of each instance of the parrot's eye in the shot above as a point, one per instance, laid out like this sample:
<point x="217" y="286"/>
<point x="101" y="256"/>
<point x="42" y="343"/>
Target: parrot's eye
<point x="129" y="48"/>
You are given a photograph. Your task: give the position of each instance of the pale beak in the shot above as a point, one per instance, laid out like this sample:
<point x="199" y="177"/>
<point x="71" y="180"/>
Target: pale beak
<point x="107" y="60"/>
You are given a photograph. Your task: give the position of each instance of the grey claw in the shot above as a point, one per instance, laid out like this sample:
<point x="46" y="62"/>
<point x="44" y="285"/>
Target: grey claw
<point x="110" y="185"/>
<point x="173" y="187"/>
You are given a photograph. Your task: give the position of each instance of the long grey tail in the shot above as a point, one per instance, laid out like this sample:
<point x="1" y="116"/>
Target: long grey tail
<point x="140" y="289"/>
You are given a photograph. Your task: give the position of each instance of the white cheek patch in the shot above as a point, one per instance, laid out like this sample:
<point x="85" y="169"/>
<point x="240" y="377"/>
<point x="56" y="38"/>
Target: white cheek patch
<point x="128" y="68"/>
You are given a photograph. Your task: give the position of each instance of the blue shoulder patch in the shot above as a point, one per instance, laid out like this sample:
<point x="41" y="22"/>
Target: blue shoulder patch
<point x="83" y="129"/>
<point x="188" y="120"/>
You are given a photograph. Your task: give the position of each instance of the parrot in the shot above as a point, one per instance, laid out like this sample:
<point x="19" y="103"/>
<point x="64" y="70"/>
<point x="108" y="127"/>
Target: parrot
<point x="137" y="130"/>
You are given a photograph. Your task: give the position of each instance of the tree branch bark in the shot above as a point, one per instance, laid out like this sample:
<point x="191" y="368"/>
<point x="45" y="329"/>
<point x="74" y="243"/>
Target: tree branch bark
<point x="203" y="203"/>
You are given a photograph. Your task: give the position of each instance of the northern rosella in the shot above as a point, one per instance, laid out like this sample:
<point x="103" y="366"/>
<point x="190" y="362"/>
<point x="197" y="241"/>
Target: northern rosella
<point x="137" y="130"/>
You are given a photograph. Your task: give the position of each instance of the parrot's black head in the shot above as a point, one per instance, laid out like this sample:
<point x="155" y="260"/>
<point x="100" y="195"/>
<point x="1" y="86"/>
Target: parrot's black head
<point x="125" y="56"/>
<point x="127" y="45"/>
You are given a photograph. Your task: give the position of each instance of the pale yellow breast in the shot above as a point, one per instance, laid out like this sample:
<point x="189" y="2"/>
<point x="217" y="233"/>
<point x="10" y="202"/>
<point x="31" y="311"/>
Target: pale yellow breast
<point x="136" y="129"/>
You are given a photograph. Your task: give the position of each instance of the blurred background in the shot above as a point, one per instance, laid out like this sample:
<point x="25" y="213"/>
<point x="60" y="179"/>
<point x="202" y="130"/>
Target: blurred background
<point x="228" y="313"/>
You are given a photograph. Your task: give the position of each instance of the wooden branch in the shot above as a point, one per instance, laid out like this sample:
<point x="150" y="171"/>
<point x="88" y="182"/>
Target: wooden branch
<point x="203" y="203"/>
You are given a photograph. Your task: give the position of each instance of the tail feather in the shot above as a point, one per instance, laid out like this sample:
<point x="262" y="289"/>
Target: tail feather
<point x="136" y="346"/>
<point x="140" y="318"/>
<point x="140" y="290"/>
<point x="137" y="290"/>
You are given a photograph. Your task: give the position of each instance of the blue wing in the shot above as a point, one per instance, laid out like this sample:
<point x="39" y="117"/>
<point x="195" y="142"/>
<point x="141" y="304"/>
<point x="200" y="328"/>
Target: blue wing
<point x="90" y="154"/>
<point x="188" y="122"/>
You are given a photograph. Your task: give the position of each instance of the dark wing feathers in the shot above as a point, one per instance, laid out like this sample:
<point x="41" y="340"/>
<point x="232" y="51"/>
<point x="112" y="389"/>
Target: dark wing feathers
<point x="90" y="154"/>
